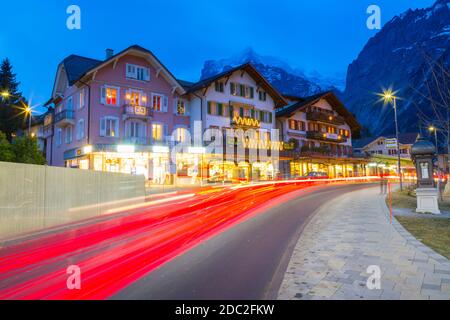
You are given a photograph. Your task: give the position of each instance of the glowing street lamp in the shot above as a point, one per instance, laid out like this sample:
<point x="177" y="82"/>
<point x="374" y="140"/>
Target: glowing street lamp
<point x="389" y="97"/>
<point x="5" y="94"/>
<point x="28" y="112"/>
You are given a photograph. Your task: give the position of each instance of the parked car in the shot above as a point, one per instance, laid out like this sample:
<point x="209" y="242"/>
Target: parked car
<point x="315" y="175"/>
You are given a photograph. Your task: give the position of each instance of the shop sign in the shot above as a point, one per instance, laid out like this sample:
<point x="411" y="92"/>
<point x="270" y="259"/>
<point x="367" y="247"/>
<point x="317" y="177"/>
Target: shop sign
<point x="246" y="122"/>
<point x="391" y="143"/>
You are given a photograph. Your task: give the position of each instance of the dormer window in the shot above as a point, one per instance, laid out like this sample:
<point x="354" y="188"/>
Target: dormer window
<point x="137" y="72"/>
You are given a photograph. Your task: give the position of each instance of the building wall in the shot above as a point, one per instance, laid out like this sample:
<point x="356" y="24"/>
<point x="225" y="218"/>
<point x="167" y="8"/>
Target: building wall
<point x="378" y="147"/>
<point x="225" y="98"/>
<point x="116" y="77"/>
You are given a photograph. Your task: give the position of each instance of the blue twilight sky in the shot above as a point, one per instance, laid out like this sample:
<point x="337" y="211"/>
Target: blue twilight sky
<point x="322" y="35"/>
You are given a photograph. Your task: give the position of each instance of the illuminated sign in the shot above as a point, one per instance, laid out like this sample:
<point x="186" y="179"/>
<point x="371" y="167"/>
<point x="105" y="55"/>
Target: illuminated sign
<point x="160" y="149"/>
<point x="391" y="143"/>
<point x="246" y="122"/>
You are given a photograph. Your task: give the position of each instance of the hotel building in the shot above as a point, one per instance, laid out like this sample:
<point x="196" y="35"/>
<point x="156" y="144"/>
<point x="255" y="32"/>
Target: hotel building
<point x="115" y="115"/>
<point x="240" y="98"/>
<point x="318" y="131"/>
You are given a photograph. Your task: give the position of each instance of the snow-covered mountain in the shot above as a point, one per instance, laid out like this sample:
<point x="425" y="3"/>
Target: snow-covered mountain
<point x="285" y="78"/>
<point x="401" y="55"/>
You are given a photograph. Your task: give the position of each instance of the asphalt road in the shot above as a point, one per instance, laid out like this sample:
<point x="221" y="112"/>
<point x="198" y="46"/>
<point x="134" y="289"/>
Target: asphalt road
<point x="247" y="261"/>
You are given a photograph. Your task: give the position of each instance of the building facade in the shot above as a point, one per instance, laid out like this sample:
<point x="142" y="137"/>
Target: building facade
<point x="381" y="152"/>
<point x="127" y="113"/>
<point x="115" y="115"/>
<point x="319" y="130"/>
<point x="238" y="99"/>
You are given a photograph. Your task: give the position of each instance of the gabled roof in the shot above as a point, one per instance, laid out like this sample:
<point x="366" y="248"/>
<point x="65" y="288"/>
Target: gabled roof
<point x="77" y="67"/>
<point x="251" y="70"/>
<point x="403" y="138"/>
<point x="292" y="108"/>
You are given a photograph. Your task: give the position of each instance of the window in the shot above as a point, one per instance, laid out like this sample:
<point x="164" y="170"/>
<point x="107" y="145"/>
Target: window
<point x="180" y="108"/>
<point x="80" y="129"/>
<point x="109" y="127"/>
<point x="59" y="136"/>
<point x="159" y="102"/>
<point x="136" y="98"/>
<point x="219" y="86"/>
<point x="81" y="98"/>
<point x="136" y="130"/>
<point x="137" y="72"/>
<point x="69" y="105"/>
<point x="217" y="109"/>
<point x="157" y="132"/>
<point x="110" y="96"/>
<point x="266" y="116"/>
<point x="180" y="134"/>
<point x="293" y="124"/>
<point x="68" y="137"/>
<point x="262" y="95"/>
<point x="242" y="90"/>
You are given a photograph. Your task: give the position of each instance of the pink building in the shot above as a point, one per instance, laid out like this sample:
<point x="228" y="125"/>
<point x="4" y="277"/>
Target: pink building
<point x="116" y="115"/>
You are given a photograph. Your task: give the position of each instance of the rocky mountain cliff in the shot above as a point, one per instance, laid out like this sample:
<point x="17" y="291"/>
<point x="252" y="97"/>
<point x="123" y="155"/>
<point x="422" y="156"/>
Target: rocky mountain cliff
<point x="401" y="55"/>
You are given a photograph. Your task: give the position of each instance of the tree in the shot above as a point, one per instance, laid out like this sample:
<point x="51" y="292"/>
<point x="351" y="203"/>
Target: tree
<point x="6" y="151"/>
<point x="26" y="150"/>
<point x="10" y="106"/>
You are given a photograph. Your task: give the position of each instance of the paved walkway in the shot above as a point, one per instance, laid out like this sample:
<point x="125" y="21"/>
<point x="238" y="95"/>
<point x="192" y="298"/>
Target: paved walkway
<point x="348" y="235"/>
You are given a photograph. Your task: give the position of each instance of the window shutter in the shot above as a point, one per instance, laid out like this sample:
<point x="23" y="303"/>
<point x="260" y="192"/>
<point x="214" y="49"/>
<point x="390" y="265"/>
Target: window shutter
<point x="270" y="117"/>
<point x="232" y="88"/>
<point x="220" y="109"/>
<point x="209" y="107"/>
<point x="241" y="112"/>
<point x="252" y="113"/>
<point x="102" y="127"/>
<point x="175" y="106"/>
<point x="165" y="131"/>
<point x="252" y="92"/>
<point x="147" y="74"/>
<point x="116" y="125"/>
<point x="165" y="101"/>
<point x="103" y="95"/>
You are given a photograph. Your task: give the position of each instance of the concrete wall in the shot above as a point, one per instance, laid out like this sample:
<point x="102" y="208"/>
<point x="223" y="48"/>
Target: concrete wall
<point x="34" y="197"/>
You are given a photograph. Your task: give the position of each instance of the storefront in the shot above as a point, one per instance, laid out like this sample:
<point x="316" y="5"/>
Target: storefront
<point x="333" y="167"/>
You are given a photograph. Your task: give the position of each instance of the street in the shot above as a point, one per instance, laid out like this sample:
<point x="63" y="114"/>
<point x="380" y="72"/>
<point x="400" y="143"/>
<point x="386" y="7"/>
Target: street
<point x="184" y="247"/>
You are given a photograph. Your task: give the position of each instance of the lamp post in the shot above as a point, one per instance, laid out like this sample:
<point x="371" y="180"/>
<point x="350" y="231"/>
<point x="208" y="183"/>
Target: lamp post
<point x="28" y="112"/>
<point x="389" y="97"/>
<point x="434" y="129"/>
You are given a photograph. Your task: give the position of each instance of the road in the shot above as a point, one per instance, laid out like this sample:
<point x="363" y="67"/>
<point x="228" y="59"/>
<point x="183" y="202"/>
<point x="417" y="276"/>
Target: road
<point x="219" y="243"/>
<point x="245" y="262"/>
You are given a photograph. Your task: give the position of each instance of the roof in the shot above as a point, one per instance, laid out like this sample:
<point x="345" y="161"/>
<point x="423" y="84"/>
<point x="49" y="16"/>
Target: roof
<point x="251" y="70"/>
<point x="404" y="138"/>
<point x="292" y="108"/>
<point x="77" y="66"/>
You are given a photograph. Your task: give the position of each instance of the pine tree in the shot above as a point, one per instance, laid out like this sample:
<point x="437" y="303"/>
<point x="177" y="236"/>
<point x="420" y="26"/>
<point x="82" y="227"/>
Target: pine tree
<point x="11" y="115"/>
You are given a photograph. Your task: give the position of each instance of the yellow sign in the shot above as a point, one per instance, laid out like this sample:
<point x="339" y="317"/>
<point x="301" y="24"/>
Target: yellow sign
<point x="246" y="122"/>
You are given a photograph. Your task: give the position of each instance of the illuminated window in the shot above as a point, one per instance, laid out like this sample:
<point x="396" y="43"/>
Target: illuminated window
<point x="180" y="134"/>
<point x="157" y="132"/>
<point x="181" y="107"/>
<point x="159" y="102"/>
<point x="110" y="95"/>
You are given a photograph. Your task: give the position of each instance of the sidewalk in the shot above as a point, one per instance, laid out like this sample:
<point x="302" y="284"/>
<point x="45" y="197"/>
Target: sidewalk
<point x="348" y="235"/>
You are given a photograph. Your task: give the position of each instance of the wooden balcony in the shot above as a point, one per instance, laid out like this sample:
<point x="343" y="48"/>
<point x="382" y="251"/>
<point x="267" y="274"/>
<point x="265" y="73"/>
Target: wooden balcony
<point x="329" y="137"/>
<point x="325" y="118"/>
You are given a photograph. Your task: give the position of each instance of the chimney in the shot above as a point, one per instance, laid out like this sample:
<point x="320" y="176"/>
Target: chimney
<point x="109" y="53"/>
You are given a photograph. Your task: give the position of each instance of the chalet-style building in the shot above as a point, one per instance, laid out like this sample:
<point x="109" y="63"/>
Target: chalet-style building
<point x="319" y="130"/>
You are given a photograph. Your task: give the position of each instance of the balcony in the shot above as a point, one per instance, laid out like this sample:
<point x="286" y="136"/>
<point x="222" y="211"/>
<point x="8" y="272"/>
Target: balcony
<point x="329" y="137"/>
<point x="325" y="118"/>
<point x="65" y="118"/>
<point x="138" y="112"/>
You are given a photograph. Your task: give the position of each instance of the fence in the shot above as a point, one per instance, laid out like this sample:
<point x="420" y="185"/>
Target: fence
<point x="34" y="197"/>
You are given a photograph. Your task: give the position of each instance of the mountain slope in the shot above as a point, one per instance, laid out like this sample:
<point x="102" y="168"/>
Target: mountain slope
<point x="400" y="55"/>
<point x="286" y="79"/>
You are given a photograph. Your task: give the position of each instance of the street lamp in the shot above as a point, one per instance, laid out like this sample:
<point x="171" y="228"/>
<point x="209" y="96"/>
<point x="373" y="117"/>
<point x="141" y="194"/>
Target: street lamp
<point x="28" y="112"/>
<point x="389" y="97"/>
<point x="5" y="94"/>
<point x="434" y="129"/>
